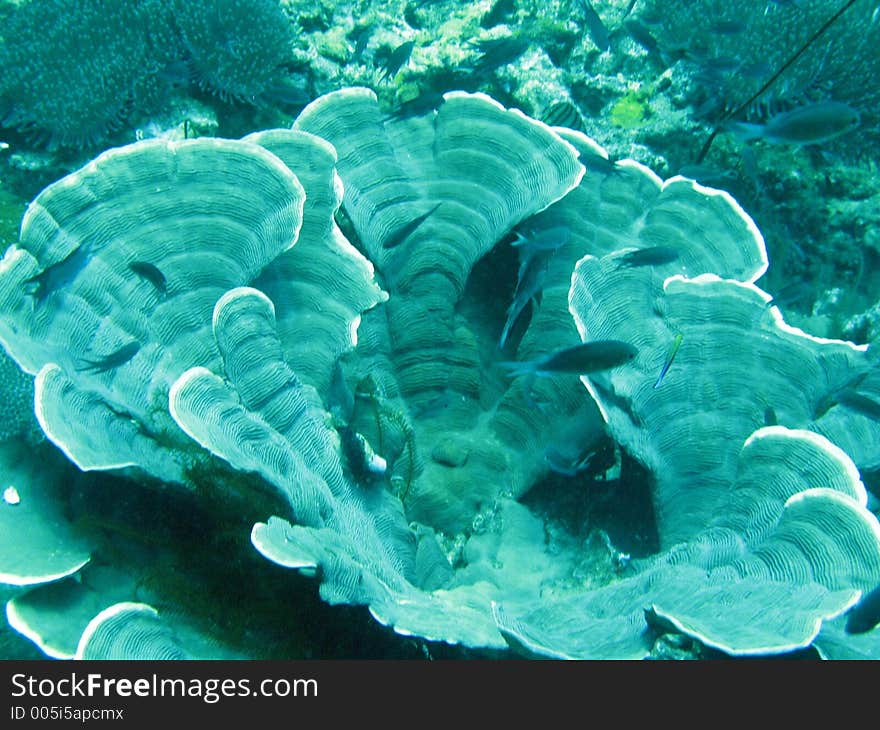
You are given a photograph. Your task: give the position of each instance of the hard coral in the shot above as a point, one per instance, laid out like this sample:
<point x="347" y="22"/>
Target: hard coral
<point x="236" y="46"/>
<point x="72" y="68"/>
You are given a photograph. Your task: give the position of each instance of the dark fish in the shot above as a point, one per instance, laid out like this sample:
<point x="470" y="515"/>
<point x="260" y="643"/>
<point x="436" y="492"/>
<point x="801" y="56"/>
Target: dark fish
<point x="57" y="276"/>
<point x="113" y="360"/>
<point x="529" y="284"/>
<point x="425" y="102"/>
<point x="865" y="615"/>
<point x="405" y="231"/>
<point x="706" y="174"/>
<point x="652" y="256"/>
<point x="596" y="162"/>
<point x="673" y="350"/>
<point x="564" y="114"/>
<point x="547" y="239"/>
<point x="792" y="293"/>
<point x="770" y="418"/>
<point x="360" y="36"/>
<point x="727" y="27"/>
<point x="396" y="60"/>
<point x="498" y="52"/>
<point x="641" y="35"/>
<point x="286" y="92"/>
<point x="596" y="28"/>
<point x="150" y="273"/>
<point x="807" y="124"/>
<point x="498" y="13"/>
<point x="589" y="357"/>
<point x="859" y="403"/>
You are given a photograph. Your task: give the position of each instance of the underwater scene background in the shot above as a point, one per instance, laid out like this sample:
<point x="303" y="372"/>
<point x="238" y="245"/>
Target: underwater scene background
<point x="439" y="329"/>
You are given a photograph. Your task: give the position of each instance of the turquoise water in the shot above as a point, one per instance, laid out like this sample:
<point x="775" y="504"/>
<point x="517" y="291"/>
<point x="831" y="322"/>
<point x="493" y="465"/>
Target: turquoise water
<point x="439" y="329"/>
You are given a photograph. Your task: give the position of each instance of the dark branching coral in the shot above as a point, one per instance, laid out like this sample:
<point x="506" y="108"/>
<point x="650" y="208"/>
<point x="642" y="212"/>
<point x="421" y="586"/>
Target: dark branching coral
<point x="72" y="68"/>
<point x="735" y="47"/>
<point x="236" y="46"/>
<point x="75" y="70"/>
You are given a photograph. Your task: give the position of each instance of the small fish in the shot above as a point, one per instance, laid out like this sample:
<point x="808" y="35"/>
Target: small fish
<point x="596" y="28"/>
<point x="589" y="357"/>
<point x="498" y="13"/>
<point x="59" y="275"/>
<point x="640" y="33"/>
<point x="11" y="496"/>
<point x="406" y="230"/>
<point x="497" y="52"/>
<point x="548" y="239"/>
<point x="360" y="36"/>
<point x="865" y="615"/>
<point x="727" y="27"/>
<point x="673" y="350"/>
<point x="113" y="360"/>
<point x="770" y="418"/>
<point x="425" y="102"/>
<point x="706" y="174"/>
<point x="808" y="124"/>
<point x="529" y="284"/>
<point x="792" y="293"/>
<point x="396" y="59"/>
<point x="651" y="256"/>
<point x="564" y="114"/>
<point x="150" y="273"/>
<point x="596" y="162"/>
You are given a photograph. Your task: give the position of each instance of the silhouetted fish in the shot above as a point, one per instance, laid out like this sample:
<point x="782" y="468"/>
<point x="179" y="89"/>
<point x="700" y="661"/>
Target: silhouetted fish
<point x="596" y="28"/>
<point x="405" y="231"/>
<point x="396" y="59"/>
<point x="807" y="124"/>
<point x="113" y="360"/>
<point x="497" y="52"/>
<point x="651" y="256"/>
<point x="589" y="357"/>
<point x="58" y="275"/>
<point x="150" y="273"/>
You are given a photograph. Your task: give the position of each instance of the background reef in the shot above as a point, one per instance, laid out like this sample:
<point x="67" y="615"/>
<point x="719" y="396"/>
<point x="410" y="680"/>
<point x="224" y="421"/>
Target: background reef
<point x="652" y="91"/>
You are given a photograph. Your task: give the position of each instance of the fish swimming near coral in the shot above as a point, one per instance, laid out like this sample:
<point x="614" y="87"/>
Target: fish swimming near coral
<point x="652" y="256"/>
<point x="530" y="283"/>
<point x="149" y="272"/>
<point x="57" y="276"/>
<point x="807" y="124"/>
<point x="113" y="360"/>
<point x="396" y="59"/>
<point x="497" y="52"/>
<point x="673" y="351"/>
<point x="564" y="114"/>
<point x="406" y="230"/>
<point x="547" y="239"/>
<point x="595" y="27"/>
<point x="589" y="357"/>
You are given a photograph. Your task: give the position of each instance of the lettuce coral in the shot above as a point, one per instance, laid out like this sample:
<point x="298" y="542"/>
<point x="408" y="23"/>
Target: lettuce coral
<point x="271" y="354"/>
